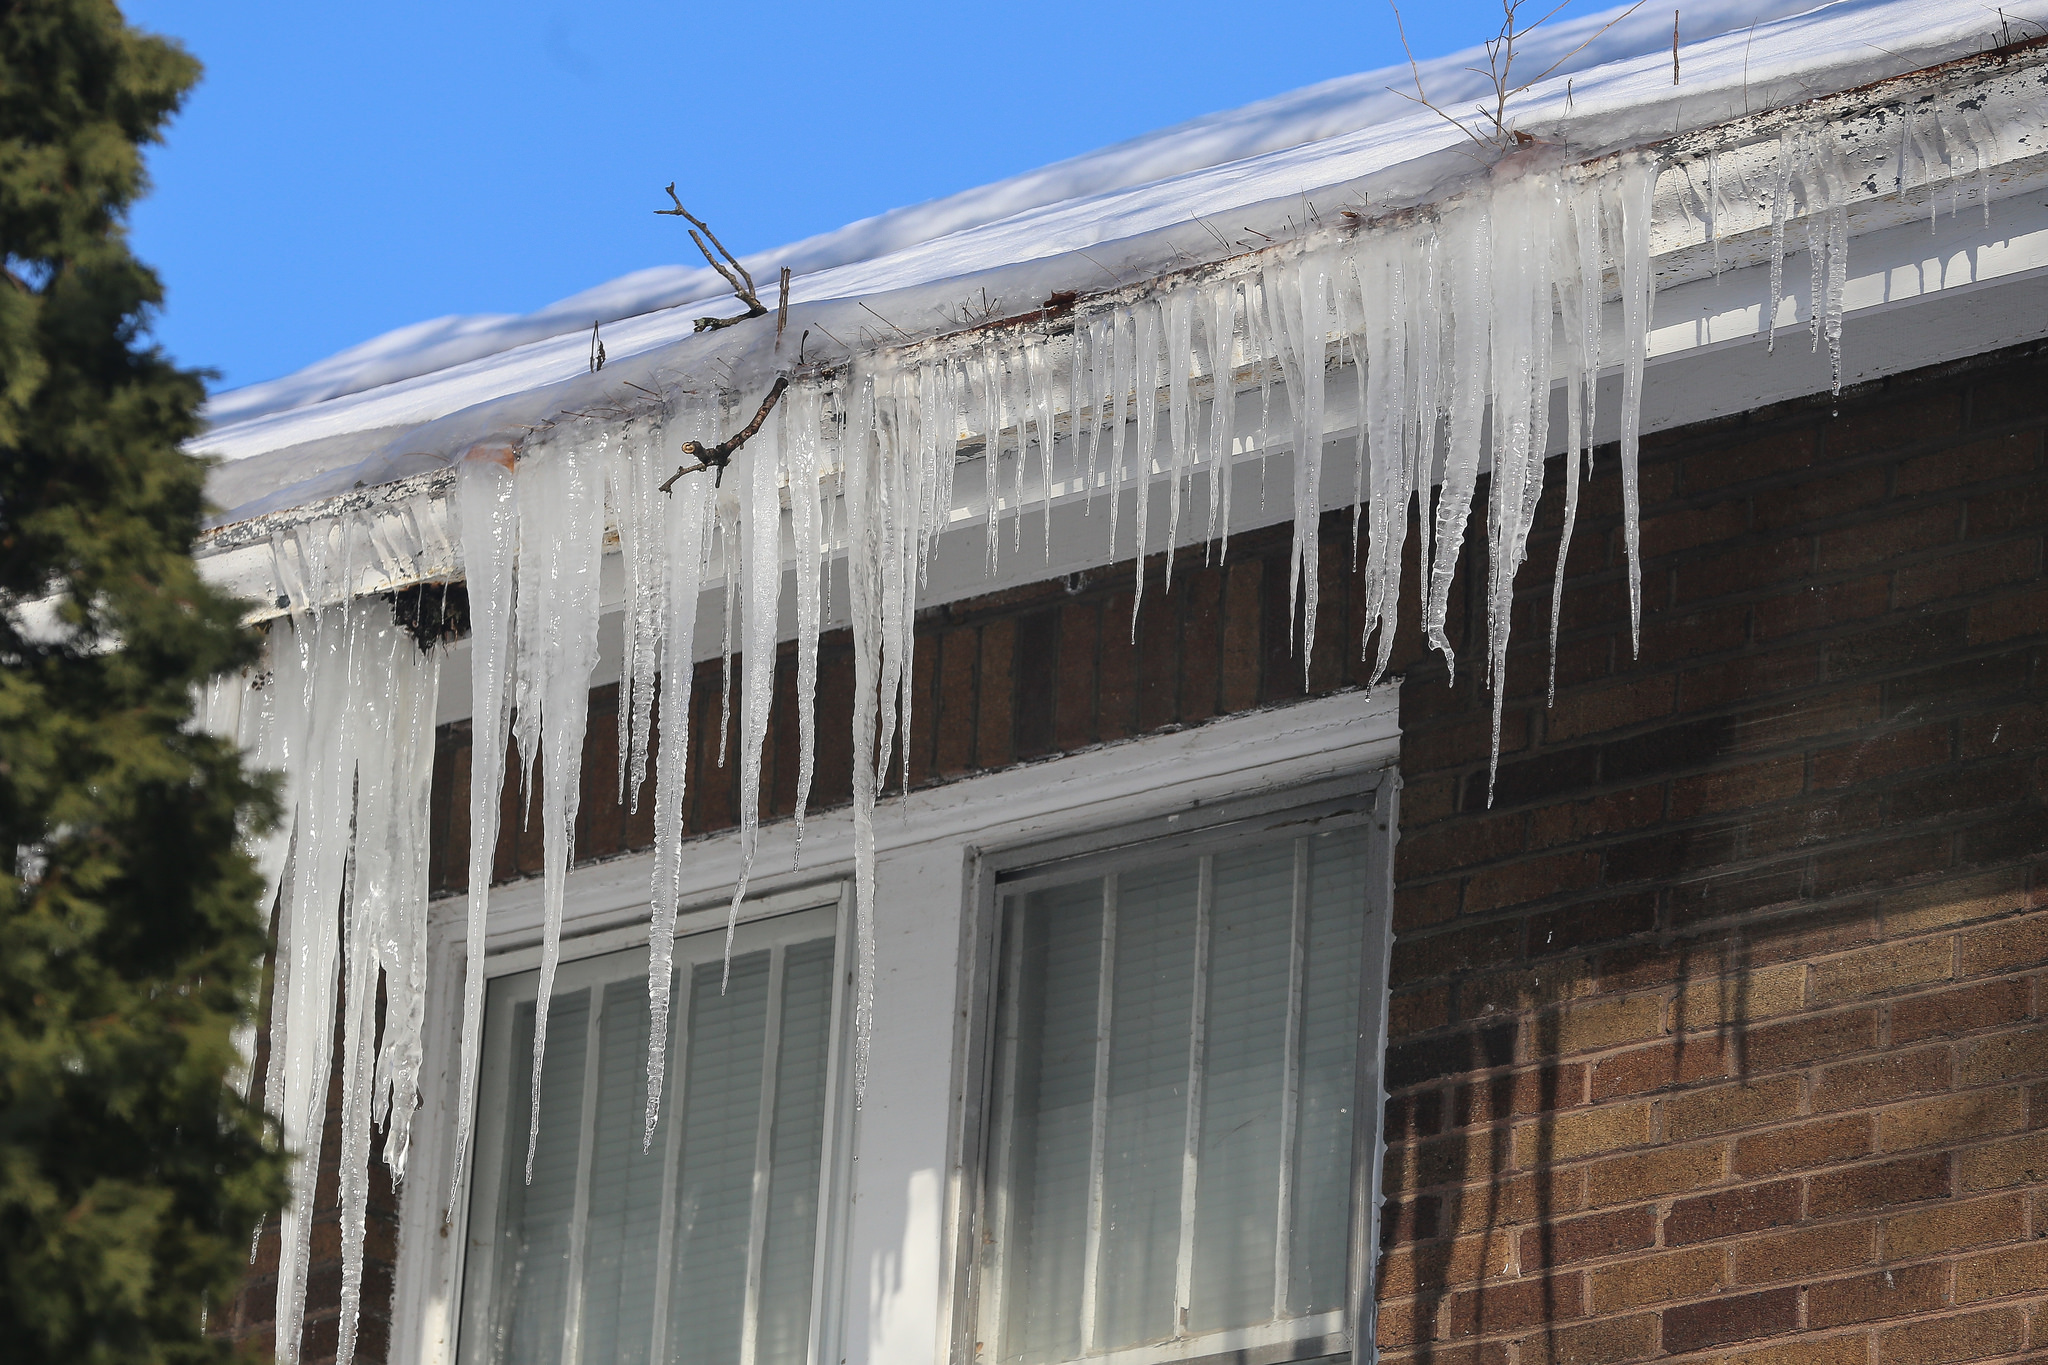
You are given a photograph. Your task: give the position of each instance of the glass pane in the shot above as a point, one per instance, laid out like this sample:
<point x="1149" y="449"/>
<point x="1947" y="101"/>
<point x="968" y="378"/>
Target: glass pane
<point x="532" y="1261"/>
<point x="1329" y="1061"/>
<point x="1268" y="1214"/>
<point x="1049" y="1048"/>
<point x="797" y="1148"/>
<point x="617" y="1318"/>
<point x="543" y="1288"/>
<point x="715" y="1189"/>
<point x="1148" y="1099"/>
<point x="1237" y="1201"/>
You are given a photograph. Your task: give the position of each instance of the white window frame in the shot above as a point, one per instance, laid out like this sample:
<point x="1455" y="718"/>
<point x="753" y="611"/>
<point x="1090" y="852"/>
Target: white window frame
<point x="607" y="914"/>
<point x="1366" y="799"/>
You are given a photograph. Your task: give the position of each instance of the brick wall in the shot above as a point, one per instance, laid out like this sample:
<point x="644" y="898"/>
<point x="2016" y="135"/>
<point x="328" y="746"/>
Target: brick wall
<point x="1714" y="1038"/>
<point x="1718" y="1036"/>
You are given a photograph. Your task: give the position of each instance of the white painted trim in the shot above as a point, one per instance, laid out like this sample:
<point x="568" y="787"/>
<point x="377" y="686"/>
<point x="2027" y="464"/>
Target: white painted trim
<point x="891" y="1299"/>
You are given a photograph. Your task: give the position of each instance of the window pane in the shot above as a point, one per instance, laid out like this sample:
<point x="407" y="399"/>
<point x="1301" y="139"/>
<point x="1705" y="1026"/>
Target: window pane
<point x="798" y="1149"/>
<point x="1148" y="1073"/>
<point x="1236" y="1209"/>
<point x="618" y="1280"/>
<point x="665" y="1254"/>
<point x="721" y="1109"/>
<point x="1329" y="1069"/>
<point x="533" y="1229"/>
<point x="1059" y="942"/>
<point x="1232" y="991"/>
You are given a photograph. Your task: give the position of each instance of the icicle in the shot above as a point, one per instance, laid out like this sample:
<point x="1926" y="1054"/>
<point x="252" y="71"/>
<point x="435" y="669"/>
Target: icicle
<point x="1469" y="309"/>
<point x="402" y="941"/>
<point x="1122" y="351"/>
<point x="633" y="504"/>
<point x="686" y="526"/>
<point x="1145" y="386"/>
<point x="1385" y="432"/>
<point x="1780" y="205"/>
<point x="1042" y="386"/>
<point x="1220" y="318"/>
<point x="804" y="416"/>
<point x="726" y="503"/>
<point x="989" y="392"/>
<point x="485" y="507"/>
<point x="561" y="546"/>
<point x="1016" y="368"/>
<point x="759" y="567"/>
<point x="1635" y="188"/>
<point x="1300" y="300"/>
<point x="1714" y="208"/>
<point x="1180" y="360"/>
<point x="865" y="593"/>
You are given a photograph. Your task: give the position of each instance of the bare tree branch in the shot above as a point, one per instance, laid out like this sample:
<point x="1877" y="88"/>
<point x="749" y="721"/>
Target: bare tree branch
<point x="735" y="274"/>
<point x="718" y="456"/>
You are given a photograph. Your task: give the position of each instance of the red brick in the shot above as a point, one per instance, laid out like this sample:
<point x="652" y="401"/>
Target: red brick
<point x="959" y="656"/>
<point x="1889" y="1293"/>
<point x="1074" y="709"/>
<point x="1798" y="1042"/>
<point x="1694" y="526"/>
<point x="2010" y="617"/>
<point x="1730" y="1318"/>
<point x="1997" y="457"/>
<point x="1966" y="573"/>
<point x="1875" y="1080"/>
<point x="1586" y="1239"/>
<point x="1884" y="541"/>
<point x="1966" y="1336"/>
<point x="1609" y="1342"/>
<point x="1803" y="1253"/>
<point x="1930" y="414"/>
<point x="1782" y="559"/>
<point x="1821" y="605"/>
<point x="1831" y="495"/>
<point x="1818" y="1142"/>
<point x="1116" y="697"/>
<point x="1862" y="1188"/>
<point x="2007" y="511"/>
<point x="1724" y="1213"/>
<point x="1641" y="1070"/>
<point x="994" y="726"/>
<point x="1951" y="1226"/>
<point x="1576" y="821"/>
<point x="1587" y="711"/>
<point x="1962" y="1009"/>
<point x="1880" y="753"/>
<point x="1530" y="879"/>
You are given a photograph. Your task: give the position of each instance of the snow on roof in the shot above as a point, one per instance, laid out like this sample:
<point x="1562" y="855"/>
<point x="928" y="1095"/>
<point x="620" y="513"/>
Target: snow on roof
<point x="409" y="400"/>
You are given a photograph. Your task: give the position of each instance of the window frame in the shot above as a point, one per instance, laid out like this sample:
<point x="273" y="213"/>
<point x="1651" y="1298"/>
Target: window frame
<point x="1367" y="799"/>
<point x="517" y="951"/>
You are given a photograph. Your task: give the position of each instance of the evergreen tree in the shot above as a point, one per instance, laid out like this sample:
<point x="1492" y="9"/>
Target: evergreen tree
<point x="131" y="1172"/>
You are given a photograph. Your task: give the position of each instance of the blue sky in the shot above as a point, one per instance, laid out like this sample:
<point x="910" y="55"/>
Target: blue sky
<point x="345" y="170"/>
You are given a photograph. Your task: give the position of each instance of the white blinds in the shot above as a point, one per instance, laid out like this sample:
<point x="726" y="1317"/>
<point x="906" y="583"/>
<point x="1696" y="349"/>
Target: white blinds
<point x="1176" y="1064"/>
<point x="704" y="1247"/>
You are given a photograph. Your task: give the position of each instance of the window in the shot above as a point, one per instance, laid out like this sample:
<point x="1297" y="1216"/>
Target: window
<point x="706" y="1247"/>
<point x="1174" y="1169"/>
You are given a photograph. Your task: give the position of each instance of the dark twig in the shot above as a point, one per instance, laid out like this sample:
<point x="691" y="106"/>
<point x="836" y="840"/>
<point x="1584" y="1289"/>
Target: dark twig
<point x="718" y="456"/>
<point x="782" y="309"/>
<point x="596" y="350"/>
<point x="898" y="330"/>
<point x="735" y="274"/>
<point x="1674" y="47"/>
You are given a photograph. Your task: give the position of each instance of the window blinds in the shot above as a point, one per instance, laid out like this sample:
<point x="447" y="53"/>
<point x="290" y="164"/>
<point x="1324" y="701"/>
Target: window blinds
<point x="702" y="1248"/>
<point x="1176" y="1058"/>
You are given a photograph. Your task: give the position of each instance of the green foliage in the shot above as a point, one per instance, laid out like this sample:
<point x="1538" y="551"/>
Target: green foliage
<point x="131" y="1173"/>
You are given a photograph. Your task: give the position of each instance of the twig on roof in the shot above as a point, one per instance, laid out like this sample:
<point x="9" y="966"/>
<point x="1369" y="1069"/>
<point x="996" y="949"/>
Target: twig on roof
<point x="782" y="309"/>
<point x="716" y="457"/>
<point x="898" y="330"/>
<point x="596" y="350"/>
<point x="735" y="274"/>
<point x="1494" y="129"/>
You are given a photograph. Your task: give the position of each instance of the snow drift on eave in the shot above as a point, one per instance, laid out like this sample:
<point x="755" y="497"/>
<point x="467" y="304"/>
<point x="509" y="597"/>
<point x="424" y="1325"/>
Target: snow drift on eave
<point x="1311" y="114"/>
<point x="287" y="458"/>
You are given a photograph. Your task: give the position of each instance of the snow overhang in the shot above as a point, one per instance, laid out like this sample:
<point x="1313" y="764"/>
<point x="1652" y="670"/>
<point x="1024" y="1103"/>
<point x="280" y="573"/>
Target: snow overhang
<point x="1938" y="195"/>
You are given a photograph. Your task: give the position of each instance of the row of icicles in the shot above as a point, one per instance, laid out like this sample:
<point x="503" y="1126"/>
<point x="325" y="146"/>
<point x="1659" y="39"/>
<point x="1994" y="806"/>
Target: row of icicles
<point x="1452" y="328"/>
